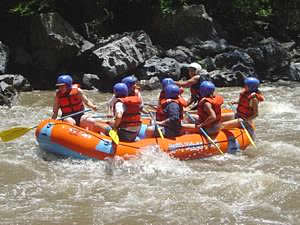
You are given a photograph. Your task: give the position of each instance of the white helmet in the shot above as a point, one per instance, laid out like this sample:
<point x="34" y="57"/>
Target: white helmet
<point x="196" y="66"/>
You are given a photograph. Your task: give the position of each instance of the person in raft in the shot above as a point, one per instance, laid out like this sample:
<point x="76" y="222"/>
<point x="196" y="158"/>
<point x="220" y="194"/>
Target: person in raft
<point x="127" y="118"/>
<point x="208" y="111"/>
<point x="171" y="112"/>
<point x="247" y="108"/>
<point x="133" y="90"/>
<point x="70" y="99"/>
<point x="160" y="114"/>
<point x="196" y="77"/>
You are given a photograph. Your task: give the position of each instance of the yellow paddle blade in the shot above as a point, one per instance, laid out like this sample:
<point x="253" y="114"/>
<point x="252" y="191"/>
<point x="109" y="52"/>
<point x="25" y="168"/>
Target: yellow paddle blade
<point x="248" y="135"/>
<point x="114" y="136"/>
<point x="159" y="131"/>
<point x="13" y="133"/>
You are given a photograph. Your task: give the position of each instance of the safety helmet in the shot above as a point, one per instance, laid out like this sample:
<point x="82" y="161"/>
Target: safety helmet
<point x="167" y="81"/>
<point x="252" y="83"/>
<point x="64" y="79"/>
<point x="129" y="81"/>
<point x="172" y="91"/>
<point x="120" y="90"/>
<point x="206" y="88"/>
<point x="196" y="66"/>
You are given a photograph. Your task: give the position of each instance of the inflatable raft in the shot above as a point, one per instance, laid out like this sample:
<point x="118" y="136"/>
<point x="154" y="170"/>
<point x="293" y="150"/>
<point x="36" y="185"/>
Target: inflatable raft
<point x="67" y="140"/>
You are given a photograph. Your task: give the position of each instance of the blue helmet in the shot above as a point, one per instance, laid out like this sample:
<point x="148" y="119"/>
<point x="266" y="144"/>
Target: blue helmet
<point x="167" y="81"/>
<point x="206" y="88"/>
<point x="120" y="90"/>
<point x="129" y="81"/>
<point x="64" y="79"/>
<point x="252" y="83"/>
<point x="172" y="91"/>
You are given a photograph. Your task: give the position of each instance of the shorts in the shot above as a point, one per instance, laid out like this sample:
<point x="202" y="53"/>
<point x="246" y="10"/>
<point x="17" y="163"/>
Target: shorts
<point x="212" y="130"/>
<point x="167" y="132"/>
<point x="130" y="134"/>
<point x="77" y="118"/>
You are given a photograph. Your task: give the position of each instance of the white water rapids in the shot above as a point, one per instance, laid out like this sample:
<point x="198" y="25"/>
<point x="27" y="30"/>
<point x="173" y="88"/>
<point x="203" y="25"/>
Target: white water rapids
<point x="258" y="186"/>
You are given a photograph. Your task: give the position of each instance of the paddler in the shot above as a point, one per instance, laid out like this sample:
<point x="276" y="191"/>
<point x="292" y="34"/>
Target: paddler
<point x="196" y="76"/>
<point x="70" y="99"/>
<point x="171" y="112"/>
<point x="247" y="109"/>
<point x="208" y="111"/>
<point x="127" y="116"/>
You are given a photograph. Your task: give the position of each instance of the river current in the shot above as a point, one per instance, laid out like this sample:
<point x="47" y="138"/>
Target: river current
<point x="257" y="186"/>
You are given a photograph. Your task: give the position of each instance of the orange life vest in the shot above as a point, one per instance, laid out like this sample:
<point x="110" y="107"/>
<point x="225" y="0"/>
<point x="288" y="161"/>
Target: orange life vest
<point x="71" y="101"/>
<point x="160" y="114"/>
<point x="216" y="102"/>
<point x="244" y="110"/>
<point x="131" y="116"/>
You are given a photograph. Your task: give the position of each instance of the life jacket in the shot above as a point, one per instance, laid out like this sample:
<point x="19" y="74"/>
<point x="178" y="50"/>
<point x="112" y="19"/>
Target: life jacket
<point x="131" y="117"/>
<point x="71" y="101"/>
<point x="244" y="110"/>
<point x="216" y="102"/>
<point x="160" y="114"/>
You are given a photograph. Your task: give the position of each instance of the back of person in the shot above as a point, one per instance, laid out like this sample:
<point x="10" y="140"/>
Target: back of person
<point x="172" y="108"/>
<point x="162" y="98"/>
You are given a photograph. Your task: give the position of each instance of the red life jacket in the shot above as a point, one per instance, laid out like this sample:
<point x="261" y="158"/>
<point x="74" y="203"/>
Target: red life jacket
<point x="160" y="115"/>
<point x="216" y="102"/>
<point x="244" y="110"/>
<point x="71" y="101"/>
<point x="131" y="116"/>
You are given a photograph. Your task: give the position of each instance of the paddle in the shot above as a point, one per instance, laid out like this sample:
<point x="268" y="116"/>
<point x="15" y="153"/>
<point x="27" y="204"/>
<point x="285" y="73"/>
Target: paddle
<point x="156" y="126"/>
<point x="206" y="135"/>
<point x="114" y="136"/>
<point x="248" y="135"/>
<point x="245" y="129"/>
<point x="13" y="133"/>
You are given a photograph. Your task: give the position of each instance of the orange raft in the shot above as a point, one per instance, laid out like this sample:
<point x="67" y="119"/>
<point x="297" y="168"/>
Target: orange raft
<point x="67" y="140"/>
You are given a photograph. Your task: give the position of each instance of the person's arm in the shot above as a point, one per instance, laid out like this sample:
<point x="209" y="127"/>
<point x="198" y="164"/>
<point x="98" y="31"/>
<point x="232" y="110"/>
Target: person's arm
<point x="188" y="83"/>
<point x="211" y="115"/>
<point x="119" y="110"/>
<point x="86" y="101"/>
<point x="55" y="108"/>
<point x="254" y="105"/>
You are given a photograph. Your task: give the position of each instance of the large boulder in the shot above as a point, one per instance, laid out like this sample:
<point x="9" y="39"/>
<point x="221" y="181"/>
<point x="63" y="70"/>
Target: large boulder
<point x="54" y="43"/>
<point x="269" y="57"/>
<point x="189" y="21"/>
<point x="10" y="85"/>
<point x="122" y="56"/>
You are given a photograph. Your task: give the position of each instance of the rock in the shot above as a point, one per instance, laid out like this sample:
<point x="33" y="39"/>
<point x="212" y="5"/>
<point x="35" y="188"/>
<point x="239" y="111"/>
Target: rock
<point x="166" y="67"/>
<point x="151" y="84"/>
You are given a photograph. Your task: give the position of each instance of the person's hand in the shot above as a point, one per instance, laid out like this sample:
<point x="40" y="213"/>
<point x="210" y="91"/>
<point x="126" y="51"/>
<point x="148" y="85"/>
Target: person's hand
<point x="198" y="126"/>
<point x="159" y="123"/>
<point x="94" y="108"/>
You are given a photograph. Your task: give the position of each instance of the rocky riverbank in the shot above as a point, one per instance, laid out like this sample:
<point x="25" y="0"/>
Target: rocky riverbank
<point x="52" y="46"/>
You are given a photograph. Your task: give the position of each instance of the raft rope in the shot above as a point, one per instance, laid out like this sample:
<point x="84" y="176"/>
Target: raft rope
<point x="170" y="149"/>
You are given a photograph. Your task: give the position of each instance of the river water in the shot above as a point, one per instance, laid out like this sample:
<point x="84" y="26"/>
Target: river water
<point x="258" y="186"/>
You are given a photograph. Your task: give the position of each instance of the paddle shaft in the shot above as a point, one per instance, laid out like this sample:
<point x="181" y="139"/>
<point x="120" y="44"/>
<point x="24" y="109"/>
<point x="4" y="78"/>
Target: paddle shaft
<point x="206" y="135"/>
<point x="156" y="126"/>
<point x="246" y="130"/>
